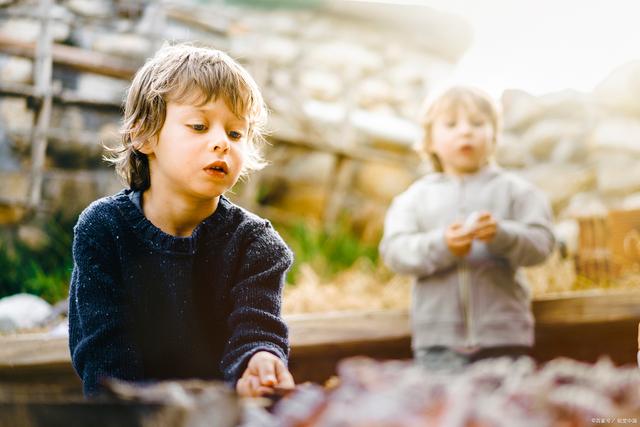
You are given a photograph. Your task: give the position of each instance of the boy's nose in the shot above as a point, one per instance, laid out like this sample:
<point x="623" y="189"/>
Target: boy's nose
<point x="464" y="127"/>
<point x="219" y="142"/>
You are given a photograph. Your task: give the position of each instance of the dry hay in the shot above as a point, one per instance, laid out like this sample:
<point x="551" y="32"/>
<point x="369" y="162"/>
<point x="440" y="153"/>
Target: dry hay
<point x="365" y="286"/>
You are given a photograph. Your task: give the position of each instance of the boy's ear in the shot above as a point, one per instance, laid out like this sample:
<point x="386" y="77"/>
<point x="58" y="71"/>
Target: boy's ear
<point x="147" y="146"/>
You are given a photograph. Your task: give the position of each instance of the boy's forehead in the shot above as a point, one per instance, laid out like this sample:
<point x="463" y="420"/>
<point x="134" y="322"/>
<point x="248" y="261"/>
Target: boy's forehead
<point x="199" y="105"/>
<point x="457" y="107"/>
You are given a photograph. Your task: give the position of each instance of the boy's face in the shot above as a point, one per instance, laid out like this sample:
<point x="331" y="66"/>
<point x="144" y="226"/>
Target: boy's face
<point x="462" y="140"/>
<point x="200" y="150"/>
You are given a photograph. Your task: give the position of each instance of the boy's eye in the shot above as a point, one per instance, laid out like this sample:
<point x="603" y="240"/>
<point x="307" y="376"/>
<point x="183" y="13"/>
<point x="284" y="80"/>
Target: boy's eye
<point x="235" y="135"/>
<point x="198" y="127"/>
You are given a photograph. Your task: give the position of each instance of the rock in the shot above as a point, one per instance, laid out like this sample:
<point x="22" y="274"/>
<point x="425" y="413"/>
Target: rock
<point x="569" y="104"/>
<point x="92" y="8"/>
<point x="289" y="23"/>
<point x="560" y="181"/>
<point x="349" y="60"/>
<point x="15" y="69"/>
<point x="384" y="130"/>
<point x="374" y="92"/>
<point x="321" y="85"/>
<point x="383" y="181"/>
<point x="33" y="237"/>
<point x="309" y="168"/>
<point x="15" y="115"/>
<point x="60" y="330"/>
<point x="541" y="138"/>
<point x="303" y="200"/>
<point x="322" y="115"/>
<point x="28" y="30"/>
<point x="585" y="204"/>
<point x="101" y="88"/>
<point x="570" y="150"/>
<point x="520" y="110"/>
<point x="617" y="133"/>
<point x="284" y="125"/>
<point x="70" y="192"/>
<point x="409" y="73"/>
<point x="618" y="173"/>
<point x="279" y="51"/>
<point x="123" y="45"/>
<point x="22" y="311"/>
<point x="14" y="185"/>
<point x="511" y="152"/>
<point x="620" y="91"/>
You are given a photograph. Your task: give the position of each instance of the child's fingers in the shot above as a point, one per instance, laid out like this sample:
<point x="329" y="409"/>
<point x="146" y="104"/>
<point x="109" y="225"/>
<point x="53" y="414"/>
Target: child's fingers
<point x="483" y="216"/>
<point x="242" y="388"/>
<point x="249" y="386"/>
<point x="460" y="234"/>
<point x="462" y="238"/>
<point x="267" y="373"/>
<point x="285" y="379"/>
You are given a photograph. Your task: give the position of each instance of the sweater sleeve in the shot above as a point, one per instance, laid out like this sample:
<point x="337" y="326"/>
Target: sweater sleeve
<point x="406" y="248"/>
<point x="99" y="322"/>
<point x="526" y="239"/>
<point x="255" y="323"/>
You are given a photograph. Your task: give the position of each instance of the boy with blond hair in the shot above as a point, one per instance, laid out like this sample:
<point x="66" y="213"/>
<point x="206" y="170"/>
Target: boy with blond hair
<point x="171" y="280"/>
<point x="462" y="232"/>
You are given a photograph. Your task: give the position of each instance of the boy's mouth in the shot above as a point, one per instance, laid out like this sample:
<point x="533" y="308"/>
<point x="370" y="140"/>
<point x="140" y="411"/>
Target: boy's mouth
<point x="218" y="166"/>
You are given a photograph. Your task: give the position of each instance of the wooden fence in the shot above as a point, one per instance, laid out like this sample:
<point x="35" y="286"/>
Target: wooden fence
<point x="609" y="245"/>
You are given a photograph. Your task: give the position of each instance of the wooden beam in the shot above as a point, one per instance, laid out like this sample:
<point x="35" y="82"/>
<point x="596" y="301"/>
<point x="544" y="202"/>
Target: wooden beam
<point x="74" y="57"/>
<point x="42" y="70"/>
<point x="64" y="96"/>
<point x="314" y="333"/>
<point x="202" y="18"/>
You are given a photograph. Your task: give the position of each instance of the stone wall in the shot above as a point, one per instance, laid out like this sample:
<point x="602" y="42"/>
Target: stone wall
<point x="343" y="80"/>
<point x="583" y="149"/>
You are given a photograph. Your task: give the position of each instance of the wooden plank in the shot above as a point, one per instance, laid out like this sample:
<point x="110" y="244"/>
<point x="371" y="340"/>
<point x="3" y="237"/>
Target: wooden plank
<point x="583" y="327"/>
<point x="74" y="57"/>
<point x="66" y="97"/>
<point x="587" y="307"/>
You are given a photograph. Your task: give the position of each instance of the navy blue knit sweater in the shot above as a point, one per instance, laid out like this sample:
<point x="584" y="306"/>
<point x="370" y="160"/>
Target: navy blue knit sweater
<point x="145" y="305"/>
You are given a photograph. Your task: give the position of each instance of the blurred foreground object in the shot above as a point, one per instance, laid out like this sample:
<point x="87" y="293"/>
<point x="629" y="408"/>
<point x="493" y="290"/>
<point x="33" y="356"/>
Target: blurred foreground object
<point x="498" y="392"/>
<point x="170" y="404"/>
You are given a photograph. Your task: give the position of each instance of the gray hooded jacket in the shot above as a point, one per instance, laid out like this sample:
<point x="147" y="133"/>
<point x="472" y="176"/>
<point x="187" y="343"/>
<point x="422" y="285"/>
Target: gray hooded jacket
<point x="481" y="300"/>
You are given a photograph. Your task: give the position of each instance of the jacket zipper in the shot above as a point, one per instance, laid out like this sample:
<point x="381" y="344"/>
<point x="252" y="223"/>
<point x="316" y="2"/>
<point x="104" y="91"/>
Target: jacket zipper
<point x="464" y="287"/>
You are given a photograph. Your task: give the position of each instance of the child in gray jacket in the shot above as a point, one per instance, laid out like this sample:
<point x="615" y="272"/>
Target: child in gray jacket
<point x="462" y="232"/>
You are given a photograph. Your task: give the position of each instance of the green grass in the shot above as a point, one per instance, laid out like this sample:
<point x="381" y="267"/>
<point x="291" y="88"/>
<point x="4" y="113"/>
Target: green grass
<point x="44" y="272"/>
<point x="328" y="251"/>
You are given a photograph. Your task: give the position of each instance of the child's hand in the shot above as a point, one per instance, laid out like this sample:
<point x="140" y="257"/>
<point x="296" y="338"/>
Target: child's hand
<point x="485" y="227"/>
<point x="264" y="372"/>
<point x="458" y="239"/>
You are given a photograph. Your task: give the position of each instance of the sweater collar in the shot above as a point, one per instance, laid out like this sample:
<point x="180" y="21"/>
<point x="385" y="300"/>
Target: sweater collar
<point x="158" y="239"/>
<point x="483" y="174"/>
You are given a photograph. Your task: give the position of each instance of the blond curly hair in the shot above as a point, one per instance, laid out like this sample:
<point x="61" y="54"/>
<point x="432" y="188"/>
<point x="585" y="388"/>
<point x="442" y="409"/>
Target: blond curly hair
<point x="184" y="73"/>
<point x="469" y="98"/>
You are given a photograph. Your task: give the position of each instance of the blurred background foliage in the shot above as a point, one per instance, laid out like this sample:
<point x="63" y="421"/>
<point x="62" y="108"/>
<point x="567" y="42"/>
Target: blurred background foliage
<point x="46" y="271"/>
